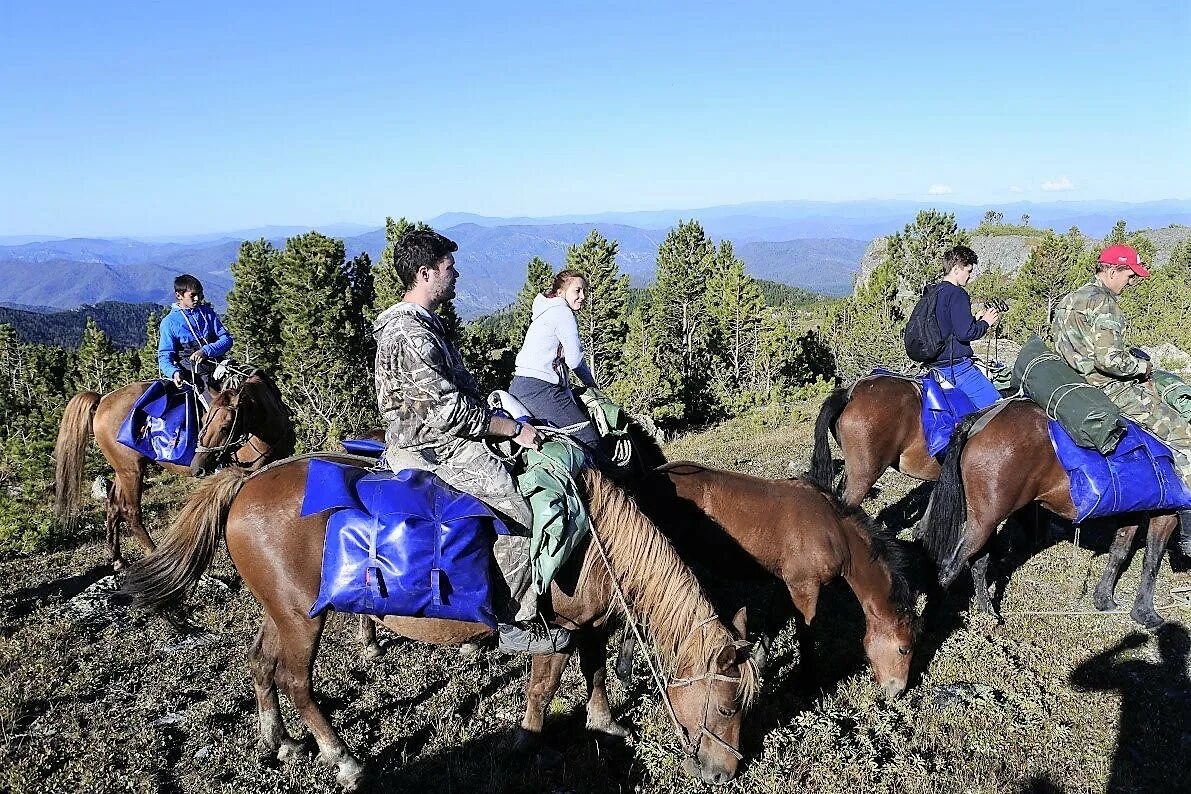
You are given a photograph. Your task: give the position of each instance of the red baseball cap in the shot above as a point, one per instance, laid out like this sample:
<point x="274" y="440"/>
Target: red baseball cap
<point x="1123" y="256"/>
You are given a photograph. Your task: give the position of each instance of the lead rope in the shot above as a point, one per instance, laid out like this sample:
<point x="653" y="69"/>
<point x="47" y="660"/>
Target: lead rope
<point x="655" y="672"/>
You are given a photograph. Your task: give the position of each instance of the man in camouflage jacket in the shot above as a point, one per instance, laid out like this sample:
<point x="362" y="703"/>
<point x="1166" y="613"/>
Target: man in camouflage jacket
<point x="437" y="420"/>
<point x="1089" y="332"/>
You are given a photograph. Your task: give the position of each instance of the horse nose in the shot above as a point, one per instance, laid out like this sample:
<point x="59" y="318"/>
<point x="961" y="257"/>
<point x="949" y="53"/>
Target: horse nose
<point x="716" y="776"/>
<point x="893" y="687"/>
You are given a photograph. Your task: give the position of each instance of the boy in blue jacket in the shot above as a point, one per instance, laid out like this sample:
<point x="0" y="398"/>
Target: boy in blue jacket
<point x="191" y="334"/>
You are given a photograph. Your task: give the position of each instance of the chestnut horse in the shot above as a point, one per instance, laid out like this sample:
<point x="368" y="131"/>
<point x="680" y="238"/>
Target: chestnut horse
<point x="877" y="423"/>
<point x="278" y="552"/>
<point x="801" y="534"/>
<point x="1001" y="469"/>
<point x="246" y="426"/>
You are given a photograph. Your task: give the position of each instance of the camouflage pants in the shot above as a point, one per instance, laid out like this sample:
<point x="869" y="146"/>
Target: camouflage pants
<point x="1141" y="403"/>
<point x="470" y="468"/>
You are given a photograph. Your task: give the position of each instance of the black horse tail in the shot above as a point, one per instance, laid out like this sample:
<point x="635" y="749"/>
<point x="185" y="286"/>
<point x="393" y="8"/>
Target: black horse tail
<point x="942" y="528"/>
<point x="162" y="579"/>
<point x="822" y="471"/>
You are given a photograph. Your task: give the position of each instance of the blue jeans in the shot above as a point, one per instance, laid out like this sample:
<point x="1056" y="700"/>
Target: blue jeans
<point x="971" y="381"/>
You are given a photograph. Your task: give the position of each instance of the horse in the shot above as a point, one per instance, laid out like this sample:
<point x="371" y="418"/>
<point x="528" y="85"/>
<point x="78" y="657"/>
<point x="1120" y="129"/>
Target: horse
<point x="877" y="423"/>
<point x="1007" y="465"/>
<point x="246" y="425"/>
<point x="801" y="534"/>
<point x="278" y="553"/>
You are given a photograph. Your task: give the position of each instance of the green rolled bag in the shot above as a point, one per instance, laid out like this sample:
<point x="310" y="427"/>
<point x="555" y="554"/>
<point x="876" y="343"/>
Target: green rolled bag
<point x="1174" y="391"/>
<point x="1085" y="412"/>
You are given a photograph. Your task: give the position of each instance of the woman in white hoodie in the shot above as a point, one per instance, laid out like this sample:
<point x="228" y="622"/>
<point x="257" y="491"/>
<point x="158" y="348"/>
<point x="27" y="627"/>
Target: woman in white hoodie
<point x="552" y="349"/>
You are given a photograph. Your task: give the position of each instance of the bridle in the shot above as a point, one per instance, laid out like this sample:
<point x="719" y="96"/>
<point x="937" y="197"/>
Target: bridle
<point x="690" y="745"/>
<point x="234" y="443"/>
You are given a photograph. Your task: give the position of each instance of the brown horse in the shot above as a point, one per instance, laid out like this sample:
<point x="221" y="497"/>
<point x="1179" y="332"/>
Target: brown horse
<point x="877" y="423"/>
<point x="1009" y="464"/>
<point x="801" y="534"/>
<point x="246" y="426"/>
<point x="279" y="555"/>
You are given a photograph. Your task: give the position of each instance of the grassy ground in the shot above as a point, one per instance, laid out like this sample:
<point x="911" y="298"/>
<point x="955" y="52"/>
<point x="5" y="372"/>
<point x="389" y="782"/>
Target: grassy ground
<point x="95" y="698"/>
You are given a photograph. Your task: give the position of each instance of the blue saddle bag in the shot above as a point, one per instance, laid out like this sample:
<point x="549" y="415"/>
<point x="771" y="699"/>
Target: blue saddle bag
<point x="403" y="543"/>
<point x="943" y="407"/>
<point x="163" y="424"/>
<point x="1139" y="474"/>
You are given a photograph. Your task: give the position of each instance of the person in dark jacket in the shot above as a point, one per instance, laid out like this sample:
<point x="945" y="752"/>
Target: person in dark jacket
<point x="953" y="311"/>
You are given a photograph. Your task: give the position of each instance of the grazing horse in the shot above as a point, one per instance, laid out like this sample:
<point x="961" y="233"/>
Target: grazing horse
<point x="801" y="534"/>
<point x="246" y="426"/>
<point x="877" y="423"/>
<point x="278" y="552"/>
<point x="1007" y="465"/>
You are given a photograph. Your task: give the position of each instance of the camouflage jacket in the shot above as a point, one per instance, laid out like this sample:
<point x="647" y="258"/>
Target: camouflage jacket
<point x="425" y="394"/>
<point x="1089" y="332"/>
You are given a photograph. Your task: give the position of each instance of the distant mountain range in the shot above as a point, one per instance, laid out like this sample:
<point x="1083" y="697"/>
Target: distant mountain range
<point x="812" y="245"/>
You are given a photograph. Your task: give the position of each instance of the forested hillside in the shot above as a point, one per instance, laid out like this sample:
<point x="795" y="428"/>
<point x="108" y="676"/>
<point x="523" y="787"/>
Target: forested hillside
<point x="124" y="323"/>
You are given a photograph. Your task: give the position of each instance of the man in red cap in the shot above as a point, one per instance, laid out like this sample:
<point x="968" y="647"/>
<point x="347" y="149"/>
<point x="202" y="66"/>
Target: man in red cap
<point x="1089" y="332"/>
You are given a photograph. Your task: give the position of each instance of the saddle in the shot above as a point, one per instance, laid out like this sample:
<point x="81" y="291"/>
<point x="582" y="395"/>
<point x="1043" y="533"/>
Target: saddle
<point x="402" y="543"/>
<point x="943" y="406"/>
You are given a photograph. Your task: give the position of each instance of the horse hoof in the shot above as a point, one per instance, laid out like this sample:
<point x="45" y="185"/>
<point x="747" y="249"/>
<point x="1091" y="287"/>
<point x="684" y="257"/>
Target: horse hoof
<point x="118" y="565"/>
<point x="1105" y="603"/>
<point x="469" y="649"/>
<point x="351" y="773"/>
<point x="1150" y="620"/>
<point x="373" y="651"/>
<point x="609" y="728"/>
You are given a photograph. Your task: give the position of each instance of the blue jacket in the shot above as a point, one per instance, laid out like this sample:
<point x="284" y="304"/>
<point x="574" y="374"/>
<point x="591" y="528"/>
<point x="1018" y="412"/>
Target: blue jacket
<point x="953" y="310"/>
<point x="178" y="341"/>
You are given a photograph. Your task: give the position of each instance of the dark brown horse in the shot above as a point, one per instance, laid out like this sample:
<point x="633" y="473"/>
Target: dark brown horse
<point x="246" y="426"/>
<point x="1009" y="464"/>
<point x="801" y="534"/>
<point x="877" y="423"/>
<point x="279" y="555"/>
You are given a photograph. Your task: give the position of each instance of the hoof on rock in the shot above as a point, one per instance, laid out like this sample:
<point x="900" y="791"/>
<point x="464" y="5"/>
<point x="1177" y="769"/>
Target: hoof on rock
<point x="290" y="749"/>
<point x="373" y="651"/>
<point x="1149" y="619"/>
<point x="609" y="728"/>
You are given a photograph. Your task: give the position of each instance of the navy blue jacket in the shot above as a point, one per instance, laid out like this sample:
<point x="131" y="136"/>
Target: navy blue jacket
<point x="953" y="310"/>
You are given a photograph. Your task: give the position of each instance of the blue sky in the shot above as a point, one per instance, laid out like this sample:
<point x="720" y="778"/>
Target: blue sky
<point x="187" y="117"/>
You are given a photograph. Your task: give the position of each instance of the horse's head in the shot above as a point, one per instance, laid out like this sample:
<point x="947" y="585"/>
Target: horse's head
<point x="709" y="700"/>
<point x="225" y="430"/>
<point x="889" y="646"/>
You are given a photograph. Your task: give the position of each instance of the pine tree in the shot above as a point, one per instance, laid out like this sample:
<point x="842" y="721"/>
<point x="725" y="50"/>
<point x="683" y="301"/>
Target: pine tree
<point x="253" y="317"/>
<point x="99" y="367"/>
<point x="148" y="368"/>
<point x="917" y="251"/>
<point x="539" y="277"/>
<point x="735" y="307"/>
<point x="1054" y="268"/>
<point x="603" y="323"/>
<point x="324" y="360"/>
<point x="650" y="381"/>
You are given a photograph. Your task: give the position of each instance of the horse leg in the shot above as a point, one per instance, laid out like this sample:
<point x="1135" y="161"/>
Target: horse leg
<point x="111" y="523"/>
<point x="980" y="584"/>
<point x="372" y="649"/>
<point x="860" y="475"/>
<point x="593" y="661"/>
<point x="1157" y="536"/>
<point x="1103" y="597"/>
<point x="544" y="676"/>
<point x="805" y="596"/>
<point x="262" y="662"/>
<point x="299" y="639"/>
<point x="624" y="659"/>
<point x="131" y="507"/>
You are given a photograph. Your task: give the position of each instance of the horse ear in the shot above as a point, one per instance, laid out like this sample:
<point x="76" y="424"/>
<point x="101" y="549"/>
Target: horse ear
<point x="740" y="623"/>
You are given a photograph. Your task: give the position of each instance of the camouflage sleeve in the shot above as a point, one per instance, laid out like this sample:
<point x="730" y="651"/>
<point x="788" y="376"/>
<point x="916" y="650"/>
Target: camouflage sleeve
<point x="1108" y="345"/>
<point x="432" y="392"/>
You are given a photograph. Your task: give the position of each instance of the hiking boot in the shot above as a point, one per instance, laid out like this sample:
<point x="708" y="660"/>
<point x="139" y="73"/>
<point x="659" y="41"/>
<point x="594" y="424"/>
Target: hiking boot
<point x="1183" y="533"/>
<point x="532" y="636"/>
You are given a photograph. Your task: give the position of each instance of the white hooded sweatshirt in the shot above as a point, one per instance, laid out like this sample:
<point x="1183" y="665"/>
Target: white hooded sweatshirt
<point x="553" y="325"/>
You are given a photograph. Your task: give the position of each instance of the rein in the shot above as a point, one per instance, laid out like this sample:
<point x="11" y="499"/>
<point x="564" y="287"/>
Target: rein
<point x="690" y="746"/>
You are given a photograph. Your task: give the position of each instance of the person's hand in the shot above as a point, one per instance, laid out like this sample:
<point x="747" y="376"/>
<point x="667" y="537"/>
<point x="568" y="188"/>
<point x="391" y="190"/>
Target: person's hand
<point x="528" y="437"/>
<point x="990" y="316"/>
<point x="178" y="379"/>
<point x="198" y="355"/>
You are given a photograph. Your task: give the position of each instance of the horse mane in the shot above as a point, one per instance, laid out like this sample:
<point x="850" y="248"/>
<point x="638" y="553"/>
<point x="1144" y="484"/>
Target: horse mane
<point x="659" y="587"/>
<point x="884" y="546"/>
